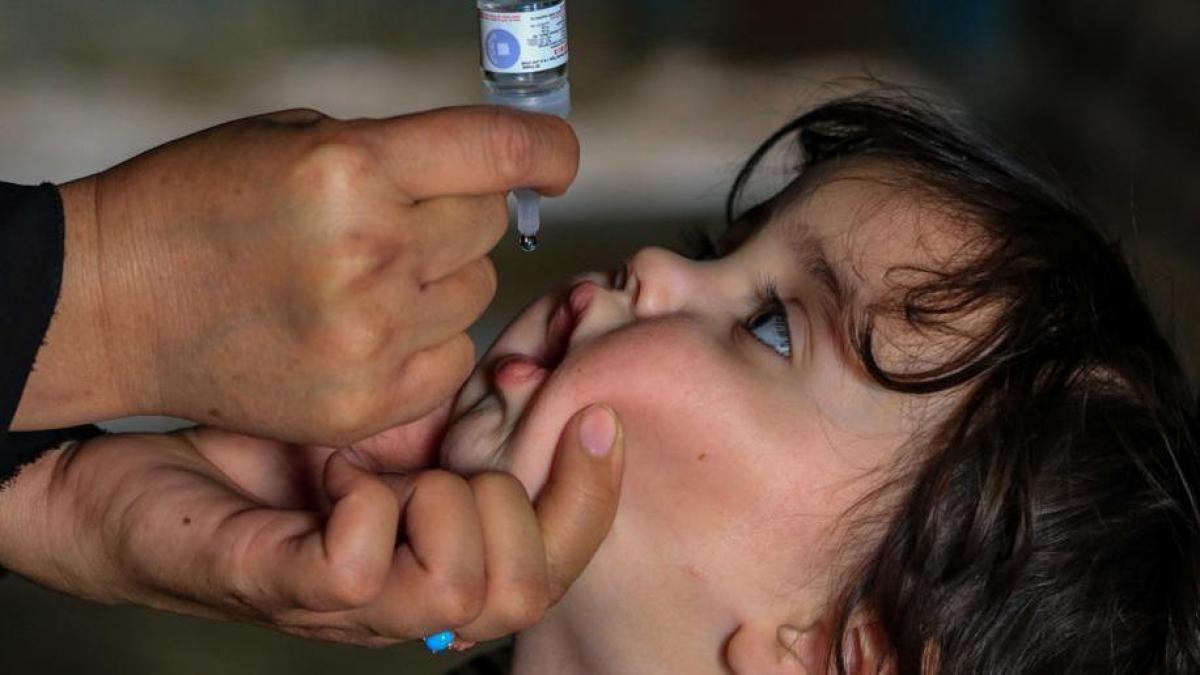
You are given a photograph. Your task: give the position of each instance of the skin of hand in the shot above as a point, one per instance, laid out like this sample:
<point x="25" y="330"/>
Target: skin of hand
<point x="290" y="275"/>
<point x="305" y="539"/>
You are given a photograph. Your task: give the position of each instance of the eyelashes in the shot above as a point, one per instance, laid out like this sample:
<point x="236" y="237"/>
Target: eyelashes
<point x="769" y="323"/>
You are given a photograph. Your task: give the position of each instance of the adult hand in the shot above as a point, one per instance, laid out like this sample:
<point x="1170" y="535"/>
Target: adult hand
<point x="216" y="524"/>
<point x="290" y="276"/>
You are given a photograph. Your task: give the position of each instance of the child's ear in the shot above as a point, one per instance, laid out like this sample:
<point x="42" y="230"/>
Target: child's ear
<point x="755" y="647"/>
<point x="865" y="647"/>
<point x="790" y="650"/>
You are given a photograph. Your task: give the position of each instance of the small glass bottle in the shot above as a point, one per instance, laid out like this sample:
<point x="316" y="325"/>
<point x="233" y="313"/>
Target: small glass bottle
<point x="523" y="54"/>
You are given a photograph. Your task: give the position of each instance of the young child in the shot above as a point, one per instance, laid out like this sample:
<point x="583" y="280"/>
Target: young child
<point x="909" y="415"/>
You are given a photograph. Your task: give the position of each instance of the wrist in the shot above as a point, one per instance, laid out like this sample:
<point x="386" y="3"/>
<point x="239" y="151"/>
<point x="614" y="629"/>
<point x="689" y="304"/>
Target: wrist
<point x="22" y="503"/>
<point x="48" y="536"/>
<point x="79" y="376"/>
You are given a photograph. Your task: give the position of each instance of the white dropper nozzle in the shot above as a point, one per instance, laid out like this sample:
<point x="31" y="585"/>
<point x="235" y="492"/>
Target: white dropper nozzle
<point x="529" y="218"/>
<point x="529" y="203"/>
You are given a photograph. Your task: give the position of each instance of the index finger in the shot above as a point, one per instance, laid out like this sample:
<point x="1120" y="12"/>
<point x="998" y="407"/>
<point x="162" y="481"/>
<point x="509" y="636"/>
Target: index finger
<point x="478" y="150"/>
<point x="578" y="504"/>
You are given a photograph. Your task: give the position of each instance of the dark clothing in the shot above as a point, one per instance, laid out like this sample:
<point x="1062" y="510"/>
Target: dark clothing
<point x="31" y="262"/>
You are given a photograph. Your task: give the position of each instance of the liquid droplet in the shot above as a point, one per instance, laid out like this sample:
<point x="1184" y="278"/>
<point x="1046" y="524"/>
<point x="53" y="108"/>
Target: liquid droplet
<point x="528" y="243"/>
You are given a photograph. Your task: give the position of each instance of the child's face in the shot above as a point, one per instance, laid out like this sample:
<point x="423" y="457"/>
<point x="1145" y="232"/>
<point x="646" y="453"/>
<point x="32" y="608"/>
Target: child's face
<point x="740" y="456"/>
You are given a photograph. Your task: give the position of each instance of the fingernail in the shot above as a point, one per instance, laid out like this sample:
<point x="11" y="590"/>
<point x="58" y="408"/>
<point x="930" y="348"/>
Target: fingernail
<point x="598" y="431"/>
<point x="352" y="456"/>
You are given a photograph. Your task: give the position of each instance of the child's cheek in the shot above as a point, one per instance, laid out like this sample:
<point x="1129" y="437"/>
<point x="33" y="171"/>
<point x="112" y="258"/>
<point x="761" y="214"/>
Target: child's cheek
<point x="683" y="401"/>
<point x="647" y="373"/>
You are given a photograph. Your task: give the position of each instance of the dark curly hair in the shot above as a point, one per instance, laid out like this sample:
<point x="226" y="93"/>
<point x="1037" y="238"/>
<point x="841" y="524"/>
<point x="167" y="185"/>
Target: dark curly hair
<point x="1050" y="524"/>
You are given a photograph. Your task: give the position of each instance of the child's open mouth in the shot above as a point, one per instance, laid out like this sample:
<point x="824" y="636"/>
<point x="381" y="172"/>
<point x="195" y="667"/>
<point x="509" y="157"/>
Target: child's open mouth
<point x="522" y="370"/>
<point x="498" y="396"/>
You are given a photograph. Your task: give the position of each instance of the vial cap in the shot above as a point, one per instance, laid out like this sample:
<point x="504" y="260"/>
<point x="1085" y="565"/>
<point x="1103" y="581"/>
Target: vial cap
<point x="555" y="101"/>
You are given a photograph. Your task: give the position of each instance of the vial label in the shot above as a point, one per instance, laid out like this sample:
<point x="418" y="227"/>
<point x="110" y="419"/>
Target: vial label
<point x="524" y="42"/>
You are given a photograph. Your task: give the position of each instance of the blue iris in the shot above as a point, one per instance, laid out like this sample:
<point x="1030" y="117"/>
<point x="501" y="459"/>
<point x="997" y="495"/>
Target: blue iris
<point x="770" y="327"/>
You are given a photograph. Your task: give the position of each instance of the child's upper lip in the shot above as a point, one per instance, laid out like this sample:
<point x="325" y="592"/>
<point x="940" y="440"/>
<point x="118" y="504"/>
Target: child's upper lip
<point x="564" y="321"/>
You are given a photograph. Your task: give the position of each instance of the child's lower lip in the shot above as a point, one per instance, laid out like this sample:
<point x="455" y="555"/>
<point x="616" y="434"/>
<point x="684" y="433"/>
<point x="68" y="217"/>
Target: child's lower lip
<point x="517" y="369"/>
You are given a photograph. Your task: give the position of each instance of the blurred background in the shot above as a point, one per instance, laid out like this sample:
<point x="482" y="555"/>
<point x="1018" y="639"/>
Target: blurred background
<point x="670" y="97"/>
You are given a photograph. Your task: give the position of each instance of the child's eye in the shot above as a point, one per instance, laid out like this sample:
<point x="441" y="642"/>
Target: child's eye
<point x="770" y="327"/>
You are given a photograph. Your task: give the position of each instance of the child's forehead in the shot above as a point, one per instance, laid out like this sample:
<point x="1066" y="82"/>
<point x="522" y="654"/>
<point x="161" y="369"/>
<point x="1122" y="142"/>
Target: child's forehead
<point x="885" y="235"/>
<point x="869" y="218"/>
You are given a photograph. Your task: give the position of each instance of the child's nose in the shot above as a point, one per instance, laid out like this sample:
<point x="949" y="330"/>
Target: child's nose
<point x="662" y="282"/>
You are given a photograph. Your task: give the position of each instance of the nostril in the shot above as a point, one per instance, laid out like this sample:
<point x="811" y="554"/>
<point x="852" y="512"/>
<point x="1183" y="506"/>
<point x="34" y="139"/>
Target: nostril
<point x="654" y="281"/>
<point x="620" y="277"/>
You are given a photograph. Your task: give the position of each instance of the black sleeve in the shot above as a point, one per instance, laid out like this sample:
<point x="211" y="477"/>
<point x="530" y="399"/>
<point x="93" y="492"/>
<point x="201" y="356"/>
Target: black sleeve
<point x="31" y="259"/>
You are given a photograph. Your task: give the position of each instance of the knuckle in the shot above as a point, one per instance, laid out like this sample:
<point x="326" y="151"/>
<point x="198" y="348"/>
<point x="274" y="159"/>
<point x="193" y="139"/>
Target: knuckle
<point x="435" y="373"/>
<point x="347" y="278"/>
<point x="351" y="586"/>
<point x="334" y="166"/>
<point x="353" y="341"/>
<point x="456" y="593"/>
<point x="462" y="356"/>
<point x="483" y="280"/>
<point x="511" y="141"/>
<point x="345" y="416"/>
<point x="496" y="485"/>
<point x="298" y="117"/>
<point x="457" y="600"/>
<point x="382" y="494"/>
<point x="454" y="367"/>
<point x="520" y="604"/>
<point x="438" y="484"/>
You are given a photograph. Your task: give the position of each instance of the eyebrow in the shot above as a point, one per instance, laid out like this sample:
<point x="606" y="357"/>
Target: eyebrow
<point x="836" y="292"/>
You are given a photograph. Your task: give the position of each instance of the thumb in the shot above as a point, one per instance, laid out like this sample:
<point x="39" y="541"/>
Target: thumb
<point x="577" y="506"/>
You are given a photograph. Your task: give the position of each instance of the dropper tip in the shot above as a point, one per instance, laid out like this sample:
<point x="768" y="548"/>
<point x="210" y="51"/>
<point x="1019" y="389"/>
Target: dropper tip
<point x="528" y="242"/>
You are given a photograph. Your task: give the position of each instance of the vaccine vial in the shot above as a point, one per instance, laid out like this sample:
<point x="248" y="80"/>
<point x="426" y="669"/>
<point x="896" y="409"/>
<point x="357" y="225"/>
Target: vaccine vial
<point x="523" y="54"/>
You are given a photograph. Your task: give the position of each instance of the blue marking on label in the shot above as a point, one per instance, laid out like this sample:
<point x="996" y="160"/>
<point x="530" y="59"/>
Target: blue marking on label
<point x="503" y="49"/>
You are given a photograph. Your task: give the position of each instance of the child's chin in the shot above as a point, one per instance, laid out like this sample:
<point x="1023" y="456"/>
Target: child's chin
<point x="474" y="443"/>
